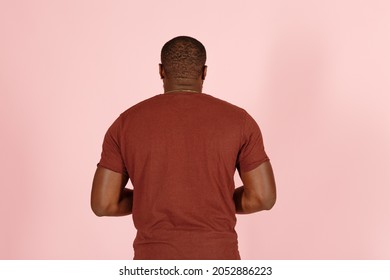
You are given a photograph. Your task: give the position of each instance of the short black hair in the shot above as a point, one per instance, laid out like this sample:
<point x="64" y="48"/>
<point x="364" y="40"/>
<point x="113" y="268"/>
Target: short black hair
<point x="183" y="57"/>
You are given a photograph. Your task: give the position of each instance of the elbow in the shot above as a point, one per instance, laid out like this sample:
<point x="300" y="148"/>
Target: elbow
<point x="270" y="200"/>
<point x="101" y="210"/>
<point x="98" y="212"/>
<point x="258" y="203"/>
<point x="266" y="202"/>
<point x="269" y="203"/>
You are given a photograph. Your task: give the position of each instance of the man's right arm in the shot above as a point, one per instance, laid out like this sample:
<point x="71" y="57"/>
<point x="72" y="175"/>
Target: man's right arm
<point x="258" y="192"/>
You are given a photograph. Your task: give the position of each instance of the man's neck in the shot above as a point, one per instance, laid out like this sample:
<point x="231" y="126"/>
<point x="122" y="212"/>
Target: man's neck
<point x="186" y="85"/>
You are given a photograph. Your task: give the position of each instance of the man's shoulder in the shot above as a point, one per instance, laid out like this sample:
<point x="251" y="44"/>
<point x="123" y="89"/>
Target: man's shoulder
<point x="224" y="103"/>
<point x="140" y="105"/>
<point x="226" y="108"/>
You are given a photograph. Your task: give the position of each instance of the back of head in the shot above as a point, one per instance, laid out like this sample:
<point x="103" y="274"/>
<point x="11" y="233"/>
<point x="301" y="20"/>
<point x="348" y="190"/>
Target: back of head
<point x="183" y="57"/>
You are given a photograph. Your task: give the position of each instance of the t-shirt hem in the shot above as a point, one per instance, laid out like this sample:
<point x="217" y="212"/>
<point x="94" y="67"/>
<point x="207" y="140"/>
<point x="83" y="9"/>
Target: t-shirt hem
<point x="112" y="168"/>
<point x="252" y="166"/>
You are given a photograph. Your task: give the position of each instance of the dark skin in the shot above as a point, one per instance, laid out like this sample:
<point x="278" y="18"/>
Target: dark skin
<point x="258" y="191"/>
<point x="172" y="84"/>
<point x="110" y="197"/>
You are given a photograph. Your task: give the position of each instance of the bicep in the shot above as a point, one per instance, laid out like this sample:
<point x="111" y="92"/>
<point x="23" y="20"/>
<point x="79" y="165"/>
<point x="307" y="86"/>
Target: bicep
<point x="106" y="188"/>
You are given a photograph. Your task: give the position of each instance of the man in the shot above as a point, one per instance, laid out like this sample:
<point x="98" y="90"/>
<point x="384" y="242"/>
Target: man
<point x="180" y="150"/>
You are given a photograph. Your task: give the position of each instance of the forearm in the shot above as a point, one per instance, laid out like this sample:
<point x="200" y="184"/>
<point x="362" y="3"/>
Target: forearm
<point x="246" y="203"/>
<point x="125" y="204"/>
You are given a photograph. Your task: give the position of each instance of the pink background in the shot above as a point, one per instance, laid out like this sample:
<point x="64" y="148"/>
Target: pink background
<point x="314" y="74"/>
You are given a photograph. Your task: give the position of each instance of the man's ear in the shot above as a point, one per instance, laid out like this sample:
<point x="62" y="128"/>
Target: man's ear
<point x="204" y="73"/>
<point x="161" y="71"/>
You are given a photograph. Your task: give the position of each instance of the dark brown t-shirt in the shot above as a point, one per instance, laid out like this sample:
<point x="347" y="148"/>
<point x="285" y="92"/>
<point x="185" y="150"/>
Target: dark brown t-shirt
<point x="180" y="151"/>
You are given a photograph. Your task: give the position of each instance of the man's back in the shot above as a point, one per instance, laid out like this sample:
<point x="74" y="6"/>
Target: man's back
<point x="180" y="151"/>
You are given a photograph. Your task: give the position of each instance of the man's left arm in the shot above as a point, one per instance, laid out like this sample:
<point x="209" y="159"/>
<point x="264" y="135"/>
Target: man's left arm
<point x="109" y="197"/>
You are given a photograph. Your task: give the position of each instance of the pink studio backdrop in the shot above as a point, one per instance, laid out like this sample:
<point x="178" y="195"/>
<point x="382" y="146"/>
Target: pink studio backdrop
<point x="314" y="74"/>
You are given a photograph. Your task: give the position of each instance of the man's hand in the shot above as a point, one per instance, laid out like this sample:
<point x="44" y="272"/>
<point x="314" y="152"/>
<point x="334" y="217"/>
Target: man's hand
<point x="258" y="192"/>
<point x="109" y="197"/>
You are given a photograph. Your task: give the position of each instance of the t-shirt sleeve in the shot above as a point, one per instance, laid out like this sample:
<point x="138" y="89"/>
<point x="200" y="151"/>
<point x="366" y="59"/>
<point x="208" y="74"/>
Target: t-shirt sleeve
<point x="111" y="156"/>
<point x="252" y="152"/>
